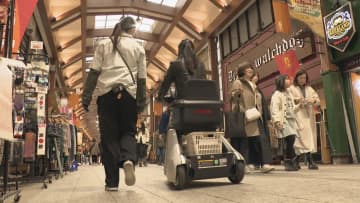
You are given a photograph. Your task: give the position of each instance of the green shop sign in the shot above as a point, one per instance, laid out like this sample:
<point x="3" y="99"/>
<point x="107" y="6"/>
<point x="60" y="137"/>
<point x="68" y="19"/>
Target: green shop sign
<point x="340" y="27"/>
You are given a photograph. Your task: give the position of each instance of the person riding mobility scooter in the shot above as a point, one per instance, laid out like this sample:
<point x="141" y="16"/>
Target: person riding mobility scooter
<point x="194" y="149"/>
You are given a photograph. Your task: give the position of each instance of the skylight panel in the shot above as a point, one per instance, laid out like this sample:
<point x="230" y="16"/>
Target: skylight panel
<point x="100" y="22"/>
<point x="155" y="1"/>
<point x="145" y="28"/>
<point x="170" y="3"/>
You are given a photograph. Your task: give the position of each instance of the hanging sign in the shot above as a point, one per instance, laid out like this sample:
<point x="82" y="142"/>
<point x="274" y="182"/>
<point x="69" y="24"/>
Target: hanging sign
<point x="36" y="45"/>
<point x="79" y="138"/>
<point x="41" y="138"/>
<point x="41" y="124"/>
<point x="340" y="27"/>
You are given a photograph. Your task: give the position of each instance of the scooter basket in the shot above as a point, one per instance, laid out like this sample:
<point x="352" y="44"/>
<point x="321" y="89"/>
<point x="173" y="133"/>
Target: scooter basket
<point x="203" y="143"/>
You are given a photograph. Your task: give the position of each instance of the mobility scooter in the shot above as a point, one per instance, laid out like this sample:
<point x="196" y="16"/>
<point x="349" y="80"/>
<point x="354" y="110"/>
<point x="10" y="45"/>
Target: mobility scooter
<point x="195" y="150"/>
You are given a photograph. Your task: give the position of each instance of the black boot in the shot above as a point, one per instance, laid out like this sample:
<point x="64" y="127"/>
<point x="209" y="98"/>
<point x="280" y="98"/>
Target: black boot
<point x="290" y="165"/>
<point x="297" y="163"/>
<point x="312" y="165"/>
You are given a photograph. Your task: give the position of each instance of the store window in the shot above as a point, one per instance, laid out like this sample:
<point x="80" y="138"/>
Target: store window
<point x="234" y="36"/>
<point x="252" y="21"/>
<point x="226" y="43"/>
<point x="265" y="13"/>
<point x="253" y="17"/>
<point x="244" y="36"/>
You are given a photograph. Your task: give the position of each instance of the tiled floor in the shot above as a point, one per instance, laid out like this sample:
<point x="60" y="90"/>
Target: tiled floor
<point x="329" y="184"/>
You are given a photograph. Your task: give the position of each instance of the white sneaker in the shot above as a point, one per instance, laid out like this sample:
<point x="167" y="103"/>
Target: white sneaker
<point x="111" y="189"/>
<point x="251" y="167"/>
<point x="247" y="170"/>
<point x="129" y="173"/>
<point x="266" y="168"/>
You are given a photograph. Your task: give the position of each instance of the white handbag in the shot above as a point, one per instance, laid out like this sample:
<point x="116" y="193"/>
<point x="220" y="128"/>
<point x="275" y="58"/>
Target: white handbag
<point x="252" y="114"/>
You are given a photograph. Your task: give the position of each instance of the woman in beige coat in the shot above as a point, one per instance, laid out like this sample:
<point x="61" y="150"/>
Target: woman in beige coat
<point x="246" y="92"/>
<point x="305" y="95"/>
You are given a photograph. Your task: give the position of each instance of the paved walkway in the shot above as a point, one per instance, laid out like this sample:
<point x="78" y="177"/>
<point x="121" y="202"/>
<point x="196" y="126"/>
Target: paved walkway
<point x="329" y="184"/>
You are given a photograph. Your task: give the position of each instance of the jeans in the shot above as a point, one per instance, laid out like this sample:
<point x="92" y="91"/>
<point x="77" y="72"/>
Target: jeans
<point x="161" y="154"/>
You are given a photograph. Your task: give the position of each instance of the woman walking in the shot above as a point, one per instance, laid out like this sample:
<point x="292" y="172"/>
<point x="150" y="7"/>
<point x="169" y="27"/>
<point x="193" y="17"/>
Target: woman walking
<point x="305" y="95"/>
<point x="119" y="72"/>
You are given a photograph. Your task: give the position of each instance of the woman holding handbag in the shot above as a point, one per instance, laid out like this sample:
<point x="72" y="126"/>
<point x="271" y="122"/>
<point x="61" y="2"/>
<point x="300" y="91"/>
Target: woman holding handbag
<point x="249" y="99"/>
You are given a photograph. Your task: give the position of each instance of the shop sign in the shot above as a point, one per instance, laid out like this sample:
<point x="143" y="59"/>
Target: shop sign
<point x="340" y="27"/>
<point x="279" y="49"/>
<point x="37" y="45"/>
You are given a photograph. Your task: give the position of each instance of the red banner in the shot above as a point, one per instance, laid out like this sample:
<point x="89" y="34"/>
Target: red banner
<point x="23" y="12"/>
<point x="287" y="63"/>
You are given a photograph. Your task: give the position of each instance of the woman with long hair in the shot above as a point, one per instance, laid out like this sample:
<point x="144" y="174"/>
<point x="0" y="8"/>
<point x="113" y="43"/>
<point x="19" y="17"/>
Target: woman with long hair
<point x="186" y="66"/>
<point x="305" y="95"/>
<point x="119" y="71"/>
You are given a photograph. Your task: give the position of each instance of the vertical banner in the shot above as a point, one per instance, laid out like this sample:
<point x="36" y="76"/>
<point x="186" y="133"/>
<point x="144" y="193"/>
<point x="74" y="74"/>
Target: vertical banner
<point x="308" y="12"/>
<point x="23" y="12"/>
<point x="6" y="105"/>
<point x="282" y="16"/>
<point x="79" y="138"/>
<point x="41" y="138"/>
<point x="287" y="63"/>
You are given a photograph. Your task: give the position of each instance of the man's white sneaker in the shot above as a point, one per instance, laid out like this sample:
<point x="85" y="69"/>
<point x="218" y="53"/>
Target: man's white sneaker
<point x="111" y="189"/>
<point x="129" y="173"/>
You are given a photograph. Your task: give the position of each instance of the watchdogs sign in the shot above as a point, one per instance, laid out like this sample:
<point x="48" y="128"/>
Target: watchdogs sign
<point x="340" y="27"/>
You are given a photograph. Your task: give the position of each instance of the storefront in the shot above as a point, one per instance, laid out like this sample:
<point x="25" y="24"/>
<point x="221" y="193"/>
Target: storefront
<point x="343" y="84"/>
<point x="262" y="50"/>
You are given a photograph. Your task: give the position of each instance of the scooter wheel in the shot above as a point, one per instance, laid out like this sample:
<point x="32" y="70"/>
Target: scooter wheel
<point x="180" y="178"/>
<point x="238" y="173"/>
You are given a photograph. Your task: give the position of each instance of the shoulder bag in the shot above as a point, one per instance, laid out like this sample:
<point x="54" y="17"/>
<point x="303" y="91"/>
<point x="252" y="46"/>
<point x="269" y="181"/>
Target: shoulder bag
<point x="253" y="113"/>
<point x="235" y="122"/>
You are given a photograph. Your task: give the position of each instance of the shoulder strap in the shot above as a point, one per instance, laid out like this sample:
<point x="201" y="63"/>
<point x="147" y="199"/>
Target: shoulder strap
<point x="117" y="49"/>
